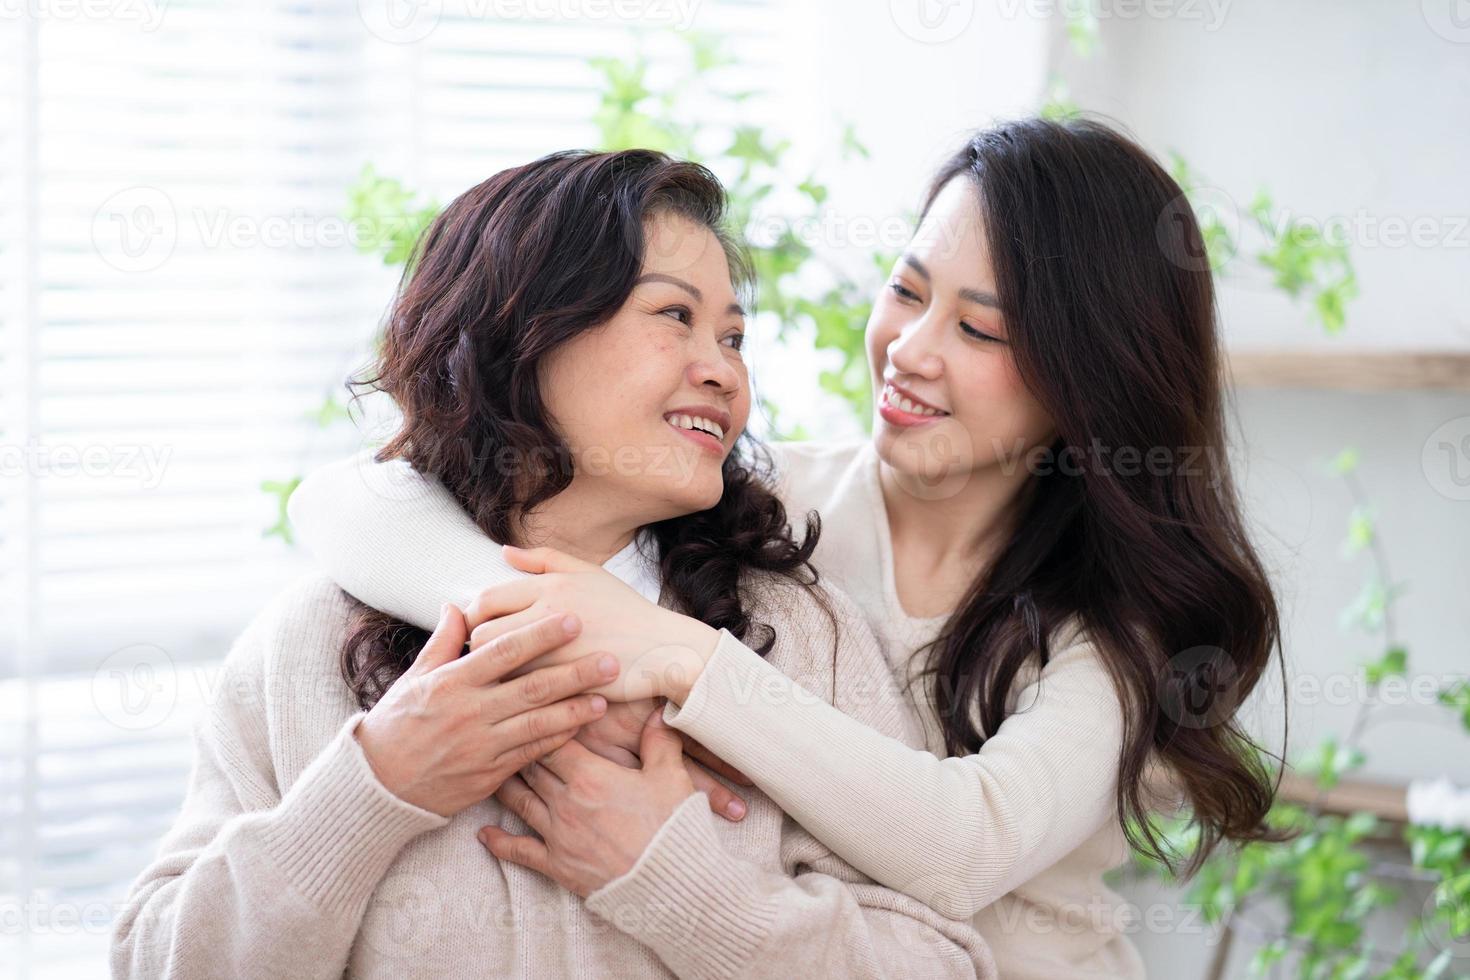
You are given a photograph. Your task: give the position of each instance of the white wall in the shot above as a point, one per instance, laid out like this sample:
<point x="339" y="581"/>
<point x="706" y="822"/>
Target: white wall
<point x="1359" y="111"/>
<point x="1340" y="109"/>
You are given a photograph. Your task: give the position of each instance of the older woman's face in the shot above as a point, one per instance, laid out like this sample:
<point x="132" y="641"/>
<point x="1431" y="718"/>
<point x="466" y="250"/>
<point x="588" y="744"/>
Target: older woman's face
<point x="652" y="401"/>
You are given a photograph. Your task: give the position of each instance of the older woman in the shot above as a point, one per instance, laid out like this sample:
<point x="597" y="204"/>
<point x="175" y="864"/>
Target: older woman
<point x="572" y="323"/>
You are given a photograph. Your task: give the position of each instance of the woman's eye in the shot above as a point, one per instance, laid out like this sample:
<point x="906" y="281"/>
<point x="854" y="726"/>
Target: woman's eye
<point x="736" y="341"/>
<point x="978" y="334"/>
<point x="903" y="291"/>
<point x="680" y="313"/>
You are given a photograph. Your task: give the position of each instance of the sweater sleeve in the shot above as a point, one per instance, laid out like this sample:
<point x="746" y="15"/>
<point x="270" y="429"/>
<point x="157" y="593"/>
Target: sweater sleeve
<point x="250" y="883"/>
<point x="974" y="827"/>
<point x="707" y="914"/>
<point x="394" y="538"/>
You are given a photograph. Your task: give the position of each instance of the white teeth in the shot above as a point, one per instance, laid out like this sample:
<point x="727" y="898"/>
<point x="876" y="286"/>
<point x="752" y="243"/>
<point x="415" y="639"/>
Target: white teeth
<point x="901" y="403"/>
<point x="698" y="424"/>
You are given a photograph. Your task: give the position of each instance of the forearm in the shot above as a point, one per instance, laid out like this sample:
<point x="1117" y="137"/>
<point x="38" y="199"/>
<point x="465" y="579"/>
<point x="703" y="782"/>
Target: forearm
<point x="706" y="913"/>
<point x="266" y="893"/>
<point x="974" y="828"/>
<point x="394" y="539"/>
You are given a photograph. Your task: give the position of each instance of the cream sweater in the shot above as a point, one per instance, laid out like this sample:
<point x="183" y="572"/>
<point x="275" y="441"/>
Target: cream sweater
<point x="290" y="860"/>
<point x="1017" y="836"/>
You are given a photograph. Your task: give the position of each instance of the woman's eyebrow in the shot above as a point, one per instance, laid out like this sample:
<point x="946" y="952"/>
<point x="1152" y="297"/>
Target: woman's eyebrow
<point x="672" y="281"/>
<point x="981" y="296"/>
<point x="689" y="288"/>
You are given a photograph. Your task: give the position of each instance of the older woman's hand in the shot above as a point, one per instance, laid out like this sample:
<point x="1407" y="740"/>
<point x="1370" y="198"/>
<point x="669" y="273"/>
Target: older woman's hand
<point x="616" y="735"/>
<point x="452" y="728"/>
<point x="594" y="817"/>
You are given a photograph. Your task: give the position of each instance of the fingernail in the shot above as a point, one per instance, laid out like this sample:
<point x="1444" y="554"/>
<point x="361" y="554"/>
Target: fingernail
<point x="735" y="809"/>
<point x="444" y="613"/>
<point x="599" y="703"/>
<point x="571" y="624"/>
<point x="608" y="666"/>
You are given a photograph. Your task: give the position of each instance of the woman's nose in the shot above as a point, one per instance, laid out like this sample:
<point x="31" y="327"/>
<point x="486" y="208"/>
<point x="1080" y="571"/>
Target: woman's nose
<point x="712" y="367"/>
<point x="915" y="350"/>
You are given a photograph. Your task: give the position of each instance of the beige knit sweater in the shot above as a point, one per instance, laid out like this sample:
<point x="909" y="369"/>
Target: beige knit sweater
<point x="1017" y="836"/>
<point x="290" y="860"/>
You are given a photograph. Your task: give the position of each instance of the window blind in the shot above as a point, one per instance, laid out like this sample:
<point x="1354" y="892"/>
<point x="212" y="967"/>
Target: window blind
<point x="178" y="296"/>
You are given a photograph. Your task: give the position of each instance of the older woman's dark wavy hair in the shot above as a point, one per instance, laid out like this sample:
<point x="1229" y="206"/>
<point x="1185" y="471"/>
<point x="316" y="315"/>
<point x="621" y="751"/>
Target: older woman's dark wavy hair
<point x="1109" y="305"/>
<point x="512" y="269"/>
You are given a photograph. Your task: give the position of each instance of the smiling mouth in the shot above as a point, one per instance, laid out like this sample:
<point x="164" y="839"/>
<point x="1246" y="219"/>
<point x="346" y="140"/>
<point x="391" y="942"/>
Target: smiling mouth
<point x="892" y="397"/>
<point x="696" y="423"/>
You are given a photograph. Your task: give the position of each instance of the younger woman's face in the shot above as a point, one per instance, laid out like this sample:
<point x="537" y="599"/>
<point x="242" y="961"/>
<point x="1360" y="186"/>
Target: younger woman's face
<point x="652" y="401"/>
<point x="948" y="398"/>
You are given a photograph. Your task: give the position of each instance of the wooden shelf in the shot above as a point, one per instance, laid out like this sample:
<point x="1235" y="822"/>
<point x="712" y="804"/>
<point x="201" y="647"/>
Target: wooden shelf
<point x="1352" y="370"/>
<point x="1384" y="801"/>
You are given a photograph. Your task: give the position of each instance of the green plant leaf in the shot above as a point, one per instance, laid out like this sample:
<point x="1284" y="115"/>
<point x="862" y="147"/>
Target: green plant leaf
<point x="1346" y="461"/>
<point x="281" y="490"/>
<point x="1393" y="663"/>
<point x="1457" y="697"/>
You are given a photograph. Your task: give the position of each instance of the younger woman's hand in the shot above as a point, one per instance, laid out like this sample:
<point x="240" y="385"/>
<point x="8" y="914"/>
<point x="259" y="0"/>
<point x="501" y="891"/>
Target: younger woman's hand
<point x="616" y="736"/>
<point x="594" y="817"/>
<point x="451" y="729"/>
<point x="660" y="652"/>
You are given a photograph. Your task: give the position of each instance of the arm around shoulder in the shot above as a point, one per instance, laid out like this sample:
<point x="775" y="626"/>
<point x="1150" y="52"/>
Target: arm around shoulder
<point x="975" y="827"/>
<point x="394" y="538"/>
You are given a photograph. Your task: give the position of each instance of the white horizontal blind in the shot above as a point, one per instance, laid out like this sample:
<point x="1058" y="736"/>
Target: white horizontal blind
<point x="177" y="296"/>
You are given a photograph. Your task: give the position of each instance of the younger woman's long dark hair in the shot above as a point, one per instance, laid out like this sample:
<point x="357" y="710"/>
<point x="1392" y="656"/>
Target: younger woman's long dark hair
<point x="1109" y="306"/>
<point x="512" y="269"/>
